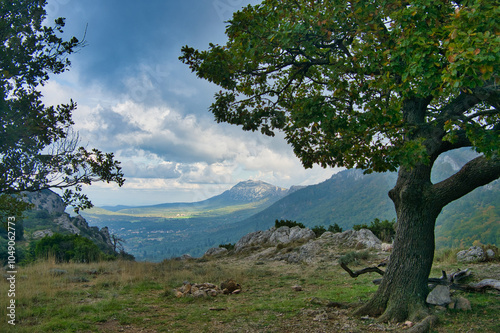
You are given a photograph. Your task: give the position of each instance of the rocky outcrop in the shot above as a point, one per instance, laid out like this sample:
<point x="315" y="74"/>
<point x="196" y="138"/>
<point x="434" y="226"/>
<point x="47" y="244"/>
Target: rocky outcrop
<point x="216" y="251"/>
<point x="42" y="233"/>
<point x="473" y="254"/>
<point x="361" y="239"/>
<point x="273" y="237"/>
<point x="45" y="200"/>
<point x="296" y="245"/>
<point x="64" y="221"/>
<point x="50" y="209"/>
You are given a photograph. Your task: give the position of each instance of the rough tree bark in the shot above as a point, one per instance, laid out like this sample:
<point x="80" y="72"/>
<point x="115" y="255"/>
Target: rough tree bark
<point x="418" y="202"/>
<point x="403" y="289"/>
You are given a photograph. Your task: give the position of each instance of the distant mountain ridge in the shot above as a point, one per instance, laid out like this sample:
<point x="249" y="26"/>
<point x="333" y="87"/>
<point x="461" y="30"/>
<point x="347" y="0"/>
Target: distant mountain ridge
<point x="347" y="198"/>
<point x="244" y="192"/>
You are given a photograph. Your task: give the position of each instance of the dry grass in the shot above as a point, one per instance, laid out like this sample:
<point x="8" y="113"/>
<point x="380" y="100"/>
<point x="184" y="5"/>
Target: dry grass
<point x="136" y="297"/>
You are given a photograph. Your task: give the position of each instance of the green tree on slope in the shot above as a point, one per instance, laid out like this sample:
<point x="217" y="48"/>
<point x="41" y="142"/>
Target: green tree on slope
<point x="378" y="85"/>
<point x="37" y="148"/>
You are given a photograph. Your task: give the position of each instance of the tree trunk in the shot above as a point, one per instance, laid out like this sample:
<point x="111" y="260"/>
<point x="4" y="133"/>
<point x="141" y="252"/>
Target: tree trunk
<point x="403" y="290"/>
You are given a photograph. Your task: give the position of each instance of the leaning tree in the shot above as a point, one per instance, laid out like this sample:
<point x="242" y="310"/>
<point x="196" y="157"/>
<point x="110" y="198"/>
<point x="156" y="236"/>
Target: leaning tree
<point x="38" y="149"/>
<point x="380" y="85"/>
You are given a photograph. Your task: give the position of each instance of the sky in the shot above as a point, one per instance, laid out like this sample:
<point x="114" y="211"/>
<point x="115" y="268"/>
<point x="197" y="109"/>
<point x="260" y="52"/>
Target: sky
<point x="137" y="100"/>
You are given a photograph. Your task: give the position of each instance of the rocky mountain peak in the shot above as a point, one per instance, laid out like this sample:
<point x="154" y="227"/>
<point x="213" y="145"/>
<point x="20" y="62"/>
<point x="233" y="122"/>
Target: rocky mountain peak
<point x="254" y="190"/>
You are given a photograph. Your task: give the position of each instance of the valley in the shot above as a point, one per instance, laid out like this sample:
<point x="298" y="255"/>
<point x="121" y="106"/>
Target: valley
<point x="350" y="197"/>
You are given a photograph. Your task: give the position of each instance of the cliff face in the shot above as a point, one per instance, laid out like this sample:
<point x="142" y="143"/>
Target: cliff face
<point x="48" y="216"/>
<point x="46" y="200"/>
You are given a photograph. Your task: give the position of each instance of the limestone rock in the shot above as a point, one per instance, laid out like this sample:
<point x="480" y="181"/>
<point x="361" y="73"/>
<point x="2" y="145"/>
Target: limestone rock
<point x="440" y="295"/>
<point x="473" y="254"/>
<point x="216" y="251"/>
<point x="386" y="247"/>
<point x="185" y="257"/>
<point x="42" y="233"/>
<point x="460" y="303"/>
<point x="273" y="237"/>
<point x="45" y="200"/>
<point x="490" y="254"/>
<point x="353" y="239"/>
<point x="199" y="293"/>
<point x="64" y="222"/>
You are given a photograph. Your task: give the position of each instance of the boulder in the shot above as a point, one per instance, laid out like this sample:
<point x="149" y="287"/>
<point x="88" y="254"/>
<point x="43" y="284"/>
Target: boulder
<point x="440" y="295"/>
<point x="490" y="254"/>
<point x="473" y="254"/>
<point x="254" y="238"/>
<point x="386" y="247"/>
<point x="273" y="237"/>
<point x="460" y="303"/>
<point x="42" y="233"/>
<point x="215" y="251"/>
<point x="363" y="238"/>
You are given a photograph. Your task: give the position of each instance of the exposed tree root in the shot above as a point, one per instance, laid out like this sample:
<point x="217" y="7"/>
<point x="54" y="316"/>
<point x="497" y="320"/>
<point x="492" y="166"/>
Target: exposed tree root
<point x="425" y="325"/>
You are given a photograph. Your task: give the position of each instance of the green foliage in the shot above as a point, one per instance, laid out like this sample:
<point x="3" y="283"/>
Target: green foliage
<point x="229" y="246"/>
<point x="287" y="223"/>
<point x="38" y="150"/>
<point x="20" y="253"/>
<point x="384" y="230"/>
<point x="354" y="257"/>
<point x="318" y="230"/>
<point x="335" y="228"/>
<point x="356" y="84"/>
<point x="66" y="248"/>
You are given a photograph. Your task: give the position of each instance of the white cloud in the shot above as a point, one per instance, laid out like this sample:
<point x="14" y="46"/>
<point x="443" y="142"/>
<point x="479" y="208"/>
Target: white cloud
<point x="151" y="111"/>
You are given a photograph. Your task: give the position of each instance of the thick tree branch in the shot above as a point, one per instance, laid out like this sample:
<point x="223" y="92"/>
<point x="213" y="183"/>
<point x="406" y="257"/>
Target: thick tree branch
<point x="478" y="172"/>
<point x="458" y="106"/>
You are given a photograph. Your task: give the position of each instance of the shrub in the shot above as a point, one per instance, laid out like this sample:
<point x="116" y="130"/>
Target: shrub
<point x="319" y="230"/>
<point x="384" y="230"/>
<point x="335" y="228"/>
<point x="66" y="248"/>
<point x="354" y="256"/>
<point x="228" y="246"/>
<point x="288" y="223"/>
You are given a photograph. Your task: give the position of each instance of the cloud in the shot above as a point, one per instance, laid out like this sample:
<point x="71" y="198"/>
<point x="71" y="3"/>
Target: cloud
<point x="137" y="100"/>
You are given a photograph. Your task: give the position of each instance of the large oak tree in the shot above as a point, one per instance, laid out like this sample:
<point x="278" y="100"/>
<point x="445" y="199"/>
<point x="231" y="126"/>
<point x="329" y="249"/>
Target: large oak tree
<point x="381" y="85"/>
<point x="38" y="149"/>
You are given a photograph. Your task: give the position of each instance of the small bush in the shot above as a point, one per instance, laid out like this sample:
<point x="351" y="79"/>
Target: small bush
<point x="335" y="228"/>
<point x="354" y="256"/>
<point x="228" y="246"/>
<point x="447" y="256"/>
<point x="67" y="248"/>
<point x="384" y="230"/>
<point x="288" y="223"/>
<point x="319" y="230"/>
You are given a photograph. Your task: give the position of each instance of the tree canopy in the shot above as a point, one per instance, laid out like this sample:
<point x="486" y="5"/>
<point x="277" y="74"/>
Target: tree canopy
<point x="38" y="149"/>
<point x="335" y="77"/>
<point x="377" y="85"/>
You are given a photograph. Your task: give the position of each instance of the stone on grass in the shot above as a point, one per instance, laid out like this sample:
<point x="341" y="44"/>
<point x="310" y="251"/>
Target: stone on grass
<point x="473" y="254"/>
<point x="440" y="295"/>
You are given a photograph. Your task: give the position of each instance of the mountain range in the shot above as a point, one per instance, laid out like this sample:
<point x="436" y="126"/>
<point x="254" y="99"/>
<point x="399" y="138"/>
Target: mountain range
<point x="347" y="198"/>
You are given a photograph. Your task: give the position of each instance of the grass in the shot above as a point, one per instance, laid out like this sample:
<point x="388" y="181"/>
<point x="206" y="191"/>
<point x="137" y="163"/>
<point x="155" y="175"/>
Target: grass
<point x="136" y="296"/>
